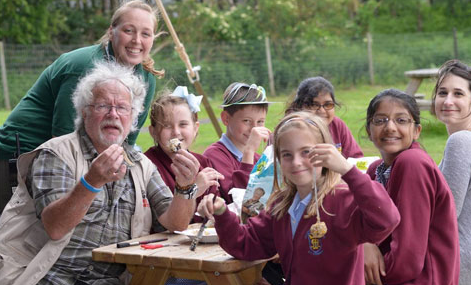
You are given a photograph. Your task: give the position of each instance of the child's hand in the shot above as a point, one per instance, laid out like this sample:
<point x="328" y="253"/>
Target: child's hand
<point x="185" y="166"/>
<point x="206" y="178"/>
<point x="374" y="264"/>
<point x="257" y="134"/>
<point x="207" y="207"/>
<point x="326" y="155"/>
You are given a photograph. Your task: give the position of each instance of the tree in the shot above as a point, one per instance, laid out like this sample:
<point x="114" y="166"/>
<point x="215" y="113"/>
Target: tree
<point x="30" y="21"/>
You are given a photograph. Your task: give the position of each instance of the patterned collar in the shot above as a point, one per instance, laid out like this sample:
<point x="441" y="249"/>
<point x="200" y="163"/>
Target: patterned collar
<point x="382" y="173"/>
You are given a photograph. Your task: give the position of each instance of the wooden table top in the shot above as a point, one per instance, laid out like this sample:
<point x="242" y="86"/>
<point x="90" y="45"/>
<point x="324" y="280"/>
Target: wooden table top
<point x="206" y="257"/>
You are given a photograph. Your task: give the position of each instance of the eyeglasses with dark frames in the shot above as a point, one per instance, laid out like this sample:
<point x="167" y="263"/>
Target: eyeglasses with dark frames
<point x="327" y="106"/>
<point x="102" y="109"/>
<point x="399" y="121"/>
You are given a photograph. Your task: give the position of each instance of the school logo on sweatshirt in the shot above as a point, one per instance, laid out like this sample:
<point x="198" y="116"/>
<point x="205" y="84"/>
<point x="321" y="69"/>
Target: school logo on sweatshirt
<point x="315" y="244"/>
<point x="339" y="147"/>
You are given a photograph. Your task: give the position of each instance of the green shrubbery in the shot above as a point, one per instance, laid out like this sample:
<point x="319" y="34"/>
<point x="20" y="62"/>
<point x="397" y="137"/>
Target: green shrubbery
<point x="22" y="82"/>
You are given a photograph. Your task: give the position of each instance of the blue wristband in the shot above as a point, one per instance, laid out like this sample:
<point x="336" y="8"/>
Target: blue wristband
<point x="88" y="186"/>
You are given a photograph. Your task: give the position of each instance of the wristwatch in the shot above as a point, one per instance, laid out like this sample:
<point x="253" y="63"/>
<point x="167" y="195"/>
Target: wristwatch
<point x="187" y="192"/>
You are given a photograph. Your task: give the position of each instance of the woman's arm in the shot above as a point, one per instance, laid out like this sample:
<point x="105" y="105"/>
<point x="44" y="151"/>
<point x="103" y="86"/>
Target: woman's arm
<point x="456" y="166"/>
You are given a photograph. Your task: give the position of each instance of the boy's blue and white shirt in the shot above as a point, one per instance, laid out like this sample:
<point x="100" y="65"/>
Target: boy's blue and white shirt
<point x="231" y="147"/>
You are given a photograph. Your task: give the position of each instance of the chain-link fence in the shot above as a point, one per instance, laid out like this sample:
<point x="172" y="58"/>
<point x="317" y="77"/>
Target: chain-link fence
<point x="343" y="61"/>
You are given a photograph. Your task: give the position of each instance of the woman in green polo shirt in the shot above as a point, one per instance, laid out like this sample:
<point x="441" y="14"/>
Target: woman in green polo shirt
<point x="47" y="109"/>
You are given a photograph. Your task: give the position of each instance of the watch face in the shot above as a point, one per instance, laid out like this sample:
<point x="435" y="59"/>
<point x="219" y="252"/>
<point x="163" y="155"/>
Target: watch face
<point x="189" y="193"/>
<point x="193" y="191"/>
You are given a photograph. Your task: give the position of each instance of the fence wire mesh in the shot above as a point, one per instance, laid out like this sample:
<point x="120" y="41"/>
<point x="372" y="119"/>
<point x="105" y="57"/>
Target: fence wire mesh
<point x="343" y="61"/>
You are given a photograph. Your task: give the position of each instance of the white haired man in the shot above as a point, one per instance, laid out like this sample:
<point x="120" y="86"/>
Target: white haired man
<point x="89" y="188"/>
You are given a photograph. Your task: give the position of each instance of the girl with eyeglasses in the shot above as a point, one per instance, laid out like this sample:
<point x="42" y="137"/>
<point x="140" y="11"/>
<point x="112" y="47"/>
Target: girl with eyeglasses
<point x="316" y="94"/>
<point x="424" y="248"/>
<point x="451" y="104"/>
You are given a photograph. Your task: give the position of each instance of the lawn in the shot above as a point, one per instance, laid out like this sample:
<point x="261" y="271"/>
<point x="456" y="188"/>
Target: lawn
<point x="354" y="101"/>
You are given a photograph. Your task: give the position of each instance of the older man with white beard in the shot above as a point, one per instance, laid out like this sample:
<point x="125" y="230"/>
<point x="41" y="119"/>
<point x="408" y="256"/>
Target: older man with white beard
<point x="89" y="188"/>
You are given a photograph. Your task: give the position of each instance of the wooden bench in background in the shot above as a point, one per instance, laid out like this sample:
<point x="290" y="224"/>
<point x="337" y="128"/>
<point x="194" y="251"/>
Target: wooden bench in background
<point x="415" y="79"/>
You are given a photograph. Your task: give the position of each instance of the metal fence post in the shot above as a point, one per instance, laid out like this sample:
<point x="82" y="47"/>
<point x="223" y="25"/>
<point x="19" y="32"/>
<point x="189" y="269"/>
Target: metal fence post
<point x="6" y="94"/>
<point x="271" y="78"/>
<point x="370" y="58"/>
<point x="455" y="43"/>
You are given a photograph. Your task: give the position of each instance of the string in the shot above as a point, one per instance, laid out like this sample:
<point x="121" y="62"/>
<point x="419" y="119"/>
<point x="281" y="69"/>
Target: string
<point x="315" y="194"/>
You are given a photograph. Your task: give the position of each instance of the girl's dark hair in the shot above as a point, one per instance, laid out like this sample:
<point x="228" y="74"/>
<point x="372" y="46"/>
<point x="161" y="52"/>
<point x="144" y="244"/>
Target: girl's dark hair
<point x="398" y="96"/>
<point x="454" y="67"/>
<point x="309" y="89"/>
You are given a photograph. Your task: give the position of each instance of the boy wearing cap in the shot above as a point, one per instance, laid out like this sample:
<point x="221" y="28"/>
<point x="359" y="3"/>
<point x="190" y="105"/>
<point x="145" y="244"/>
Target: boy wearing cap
<point x="234" y="155"/>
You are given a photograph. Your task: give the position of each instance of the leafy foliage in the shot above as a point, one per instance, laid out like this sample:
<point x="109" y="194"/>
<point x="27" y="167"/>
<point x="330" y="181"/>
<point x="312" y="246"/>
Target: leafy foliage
<point x="70" y="22"/>
<point x="30" y="21"/>
<point x="226" y="37"/>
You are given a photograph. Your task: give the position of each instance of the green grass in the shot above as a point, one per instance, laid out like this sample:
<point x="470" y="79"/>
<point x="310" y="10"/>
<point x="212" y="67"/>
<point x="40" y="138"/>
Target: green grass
<point x="354" y="101"/>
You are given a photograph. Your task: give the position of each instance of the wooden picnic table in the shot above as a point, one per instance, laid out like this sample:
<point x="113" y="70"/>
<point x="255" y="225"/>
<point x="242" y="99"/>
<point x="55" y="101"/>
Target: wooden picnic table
<point x="415" y="79"/>
<point x="209" y="262"/>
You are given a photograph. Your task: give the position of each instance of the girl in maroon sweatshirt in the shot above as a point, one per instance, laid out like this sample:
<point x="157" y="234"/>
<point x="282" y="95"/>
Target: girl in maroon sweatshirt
<point x="314" y="221"/>
<point x="424" y="248"/>
<point x="316" y="94"/>
<point x="174" y="116"/>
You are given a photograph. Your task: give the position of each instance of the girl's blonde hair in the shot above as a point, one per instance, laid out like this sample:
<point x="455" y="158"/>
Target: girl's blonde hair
<point x="157" y="112"/>
<point x="148" y="62"/>
<point x="283" y="195"/>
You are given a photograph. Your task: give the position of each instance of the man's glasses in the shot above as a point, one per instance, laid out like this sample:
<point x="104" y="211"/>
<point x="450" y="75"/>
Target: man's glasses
<point x="399" y="121"/>
<point x="102" y="109"/>
<point x="327" y="106"/>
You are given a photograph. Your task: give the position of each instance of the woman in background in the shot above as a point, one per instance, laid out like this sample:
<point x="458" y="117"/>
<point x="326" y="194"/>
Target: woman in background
<point x="316" y="94"/>
<point x="451" y="104"/>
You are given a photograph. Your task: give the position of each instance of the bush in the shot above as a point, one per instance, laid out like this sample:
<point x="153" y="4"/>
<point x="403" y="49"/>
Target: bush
<point x="390" y="68"/>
